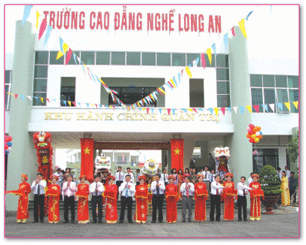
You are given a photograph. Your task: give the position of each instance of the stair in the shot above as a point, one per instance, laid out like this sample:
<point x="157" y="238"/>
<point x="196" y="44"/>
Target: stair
<point x="179" y="204"/>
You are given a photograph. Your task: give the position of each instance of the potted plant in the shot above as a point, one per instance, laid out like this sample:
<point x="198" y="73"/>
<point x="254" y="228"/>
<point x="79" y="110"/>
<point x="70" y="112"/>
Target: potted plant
<point x="271" y="186"/>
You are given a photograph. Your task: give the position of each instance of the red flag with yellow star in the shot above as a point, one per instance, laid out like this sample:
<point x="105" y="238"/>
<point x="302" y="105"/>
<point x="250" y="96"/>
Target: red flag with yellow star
<point x="87" y="158"/>
<point x="177" y="154"/>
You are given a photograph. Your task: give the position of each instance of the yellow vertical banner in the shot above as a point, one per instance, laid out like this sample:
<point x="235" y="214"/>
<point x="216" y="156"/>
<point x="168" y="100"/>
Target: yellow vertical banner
<point x="287" y="104"/>
<point x="295" y="103"/>
<point x="37" y="17"/>
<point x="249" y="108"/>
<point x="217" y="111"/>
<point x="242" y="27"/>
<point x="208" y="51"/>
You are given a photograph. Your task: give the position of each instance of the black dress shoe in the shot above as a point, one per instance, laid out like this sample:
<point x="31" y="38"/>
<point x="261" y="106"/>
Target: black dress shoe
<point x="42" y="221"/>
<point x="239" y="219"/>
<point x="94" y="221"/>
<point x="120" y="221"/>
<point x="160" y="221"/>
<point x="189" y="220"/>
<point x="72" y="221"/>
<point x="184" y="220"/>
<point x="217" y="219"/>
<point x="212" y="220"/>
<point x="66" y="221"/>
<point x="100" y="221"/>
<point x="35" y="221"/>
<point x="153" y="221"/>
<point x="245" y="220"/>
<point x="131" y="221"/>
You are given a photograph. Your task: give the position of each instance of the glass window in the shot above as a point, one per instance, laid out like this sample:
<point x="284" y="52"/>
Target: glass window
<point x="71" y="61"/>
<point x="40" y="85"/>
<point x="8" y="77"/>
<point x="192" y="57"/>
<point x="257" y="98"/>
<point x="7" y="96"/>
<point x="54" y="61"/>
<point x="265" y="157"/>
<point x="118" y="58"/>
<point x="223" y="88"/>
<point x="41" y="57"/>
<point x="256" y="80"/>
<point x="196" y="92"/>
<point x="163" y="59"/>
<point x="294" y="96"/>
<point x="178" y="59"/>
<point x="222" y="60"/>
<point x="38" y="100"/>
<point x="268" y="81"/>
<point x="67" y="90"/>
<point x="293" y="81"/>
<point x="282" y="96"/>
<point x="269" y="97"/>
<point x="88" y="57"/>
<point x="133" y="58"/>
<point x="281" y="81"/>
<point x="223" y="100"/>
<point x="222" y="74"/>
<point x="41" y="72"/>
<point x="213" y="60"/>
<point x="102" y="58"/>
<point x="148" y="59"/>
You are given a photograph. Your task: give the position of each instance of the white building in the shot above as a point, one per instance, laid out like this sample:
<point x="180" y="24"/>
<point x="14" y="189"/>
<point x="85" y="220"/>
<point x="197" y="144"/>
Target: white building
<point x="135" y="63"/>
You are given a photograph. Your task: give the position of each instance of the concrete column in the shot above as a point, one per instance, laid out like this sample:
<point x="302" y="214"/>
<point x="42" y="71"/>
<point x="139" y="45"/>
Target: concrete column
<point x="241" y="161"/>
<point x="22" y="158"/>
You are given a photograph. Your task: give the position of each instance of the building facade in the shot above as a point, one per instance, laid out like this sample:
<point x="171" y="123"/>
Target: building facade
<point x="135" y="70"/>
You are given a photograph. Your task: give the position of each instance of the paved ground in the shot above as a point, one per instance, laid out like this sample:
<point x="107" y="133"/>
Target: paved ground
<point x="281" y="224"/>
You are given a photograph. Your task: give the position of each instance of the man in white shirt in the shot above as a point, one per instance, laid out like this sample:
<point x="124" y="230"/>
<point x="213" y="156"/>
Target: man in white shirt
<point x="279" y="173"/>
<point x="216" y="190"/>
<point x="206" y="178"/>
<point x="127" y="191"/>
<point x="137" y="175"/>
<point x="287" y="172"/>
<point x="69" y="190"/>
<point x="38" y="188"/>
<point x="157" y="188"/>
<point x="243" y="190"/>
<point x="129" y="172"/>
<point x="212" y="175"/>
<point x="164" y="177"/>
<point x="96" y="189"/>
<point x="59" y="174"/>
<point x="119" y="178"/>
<point x="187" y="189"/>
<point x="250" y="180"/>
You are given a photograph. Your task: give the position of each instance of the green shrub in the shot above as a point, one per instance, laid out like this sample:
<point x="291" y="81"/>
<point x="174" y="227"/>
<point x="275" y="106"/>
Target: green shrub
<point x="269" y="181"/>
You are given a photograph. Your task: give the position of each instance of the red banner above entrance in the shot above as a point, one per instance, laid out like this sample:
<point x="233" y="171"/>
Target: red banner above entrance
<point x="177" y="154"/>
<point x="87" y="158"/>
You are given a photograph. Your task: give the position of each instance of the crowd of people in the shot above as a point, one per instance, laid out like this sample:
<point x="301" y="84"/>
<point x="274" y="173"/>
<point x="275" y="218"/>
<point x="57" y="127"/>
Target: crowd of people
<point x="149" y="193"/>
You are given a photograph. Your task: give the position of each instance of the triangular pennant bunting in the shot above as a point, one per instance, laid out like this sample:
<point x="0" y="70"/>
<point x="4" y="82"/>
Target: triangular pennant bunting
<point x="188" y="72"/>
<point x="296" y="104"/>
<point x="208" y="51"/>
<point x="241" y="109"/>
<point x="203" y="61"/>
<point x="48" y="32"/>
<point x="249" y="108"/>
<point x="42" y="28"/>
<point x="211" y="110"/>
<point x="287" y="104"/>
<point x="26" y="13"/>
<point x="272" y="106"/>
<point x="235" y="108"/>
<point x="242" y="27"/>
<point x="223" y="110"/>
<point x="256" y="107"/>
<point x="265" y="107"/>
<point x="214" y="48"/>
<point x="37" y="18"/>
<point x="225" y="38"/>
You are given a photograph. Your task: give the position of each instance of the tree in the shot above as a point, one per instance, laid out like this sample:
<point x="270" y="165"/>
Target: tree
<point x="293" y="148"/>
<point x="269" y="181"/>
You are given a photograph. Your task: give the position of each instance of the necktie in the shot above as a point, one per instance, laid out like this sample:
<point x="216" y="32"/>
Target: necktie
<point x="96" y="188"/>
<point x="187" y="191"/>
<point x="244" y="192"/>
<point x="217" y="190"/>
<point x="205" y="175"/>
<point x="126" y="192"/>
<point x="38" y="189"/>
<point x="157" y="189"/>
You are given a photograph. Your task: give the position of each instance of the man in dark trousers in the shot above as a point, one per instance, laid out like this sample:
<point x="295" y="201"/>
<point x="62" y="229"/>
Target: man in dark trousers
<point x="38" y="188"/>
<point x="243" y="190"/>
<point x="69" y="189"/>
<point x="157" y="188"/>
<point x="96" y="189"/>
<point x="292" y="187"/>
<point x="119" y="178"/>
<point x="127" y="190"/>
<point x="216" y="190"/>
